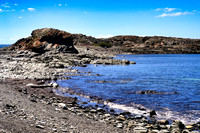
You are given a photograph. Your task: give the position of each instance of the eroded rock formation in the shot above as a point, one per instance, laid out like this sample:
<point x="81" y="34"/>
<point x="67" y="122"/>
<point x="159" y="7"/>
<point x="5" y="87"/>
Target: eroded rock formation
<point x="46" y="39"/>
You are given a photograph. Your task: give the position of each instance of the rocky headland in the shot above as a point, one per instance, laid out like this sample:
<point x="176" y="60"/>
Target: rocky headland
<point x="142" y="45"/>
<point x="31" y="101"/>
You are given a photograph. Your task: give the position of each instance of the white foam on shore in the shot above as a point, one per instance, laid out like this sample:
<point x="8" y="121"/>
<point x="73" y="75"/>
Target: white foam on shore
<point x="133" y="110"/>
<point x="166" y="114"/>
<point x="173" y="115"/>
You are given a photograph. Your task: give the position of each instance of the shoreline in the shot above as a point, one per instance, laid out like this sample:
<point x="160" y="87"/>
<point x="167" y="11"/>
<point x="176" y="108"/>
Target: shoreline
<point x="40" y="69"/>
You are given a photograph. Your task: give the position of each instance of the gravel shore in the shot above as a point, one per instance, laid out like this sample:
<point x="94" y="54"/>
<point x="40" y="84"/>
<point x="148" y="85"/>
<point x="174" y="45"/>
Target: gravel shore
<point x="28" y="101"/>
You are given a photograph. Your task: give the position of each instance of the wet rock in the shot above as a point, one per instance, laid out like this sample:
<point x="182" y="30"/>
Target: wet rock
<point x="130" y="124"/>
<point x="40" y="126"/>
<point x="62" y="105"/>
<point x="100" y="110"/>
<point x="189" y="127"/>
<point x="125" y="113"/>
<point x="163" y="122"/>
<point x="119" y="125"/>
<point x="194" y="132"/>
<point x="149" y="92"/>
<point x="152" y="113"/>
<point x="177" y="126"/>
<point x="140" y="130"/>
<point x="54" y="85"/>
<point x="121" y="118"/>
<point x="9" y="106"/>
<point x="138" y="116"/>
<point x="111" y="62"/>
<point x="186" y="131"/>
<point x="93" y="111"/>
<point x="38" y="86"/>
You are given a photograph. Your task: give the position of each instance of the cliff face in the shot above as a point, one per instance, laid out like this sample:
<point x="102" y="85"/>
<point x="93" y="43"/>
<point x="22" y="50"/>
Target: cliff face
<point x="42" y="40"/>
<point x="46" y="39"/>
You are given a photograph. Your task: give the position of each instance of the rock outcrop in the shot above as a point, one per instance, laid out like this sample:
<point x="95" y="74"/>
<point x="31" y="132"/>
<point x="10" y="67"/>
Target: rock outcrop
<point x="52" y="39"/>
<point x="144" y="45"/>
<point x="46" y="39"/>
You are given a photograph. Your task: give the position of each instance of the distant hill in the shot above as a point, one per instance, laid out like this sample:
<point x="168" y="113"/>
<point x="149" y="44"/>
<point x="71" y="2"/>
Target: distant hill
<point x="42" y="40"/>
<point x="144" y="45"/>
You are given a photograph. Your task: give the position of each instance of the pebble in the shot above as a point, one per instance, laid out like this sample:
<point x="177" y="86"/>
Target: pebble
<point x="40" y="126"/>
<point x="62" y="105"/>
<point x="121" y="118"/>
<point x="189" y="127"/>
<point x="140" y="130"/>
<point x="119" y="125"/>
<point x="163" y="122"/>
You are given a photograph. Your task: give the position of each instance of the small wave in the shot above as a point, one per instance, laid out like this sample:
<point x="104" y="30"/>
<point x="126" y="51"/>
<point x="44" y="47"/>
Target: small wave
<point x="133" y="110"/>
<point x="192" y="79"/>
<point x="165" y="114"/>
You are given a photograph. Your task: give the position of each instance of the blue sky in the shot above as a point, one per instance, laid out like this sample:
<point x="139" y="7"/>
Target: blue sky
<point x="100" y="18"/>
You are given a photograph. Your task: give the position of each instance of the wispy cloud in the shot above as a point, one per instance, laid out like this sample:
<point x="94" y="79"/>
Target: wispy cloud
<point x="62" y="4"/>
<point x="19" y="17"/>
<point x="6" y="5"/>
<point x="16" y="4"/>
<point x="85" y="12"/>
<point x="13" y="10"/>
<point x="166" y="9"/>
<point x="173" y="14"/>
<point x="31" y="9"/>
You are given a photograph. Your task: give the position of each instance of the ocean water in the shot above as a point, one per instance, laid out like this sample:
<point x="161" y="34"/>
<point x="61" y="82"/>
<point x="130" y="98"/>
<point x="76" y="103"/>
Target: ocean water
<point x="177" y="76"/>
<point x="4" y="45"/>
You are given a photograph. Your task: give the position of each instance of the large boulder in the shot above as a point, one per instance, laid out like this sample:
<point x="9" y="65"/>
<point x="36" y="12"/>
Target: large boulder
<point x="46" y="39"/>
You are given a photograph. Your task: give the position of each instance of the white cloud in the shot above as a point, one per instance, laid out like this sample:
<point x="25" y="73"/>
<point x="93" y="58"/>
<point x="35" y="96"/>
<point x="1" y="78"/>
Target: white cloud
<point x="16" y="4"/>
<point x="19" y="17"/>
<point x="5" y="5"/>
<point x="59" y="4"/>
<point x="173" y="14"/>
<point x="104" y="36"/>
<point x="1" y="10"/>
<point x="22" y="10"/>
<point x="170" y="9"/>
<point x="31" y="9"/>
<point x="166" y="9"/>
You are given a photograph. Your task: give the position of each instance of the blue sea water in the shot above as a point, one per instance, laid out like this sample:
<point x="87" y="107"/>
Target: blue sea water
<point x="167" y="73"/>
<point x="4" y="45"/>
